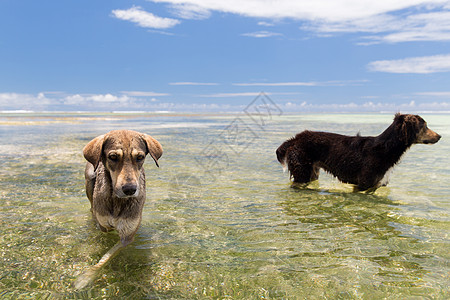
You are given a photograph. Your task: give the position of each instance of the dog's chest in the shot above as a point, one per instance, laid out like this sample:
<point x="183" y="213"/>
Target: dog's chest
<point x="123" y="225"/>
<point x="112" y="212"/>
<point x="107" y="221"/>
<point x="385" y="180"/>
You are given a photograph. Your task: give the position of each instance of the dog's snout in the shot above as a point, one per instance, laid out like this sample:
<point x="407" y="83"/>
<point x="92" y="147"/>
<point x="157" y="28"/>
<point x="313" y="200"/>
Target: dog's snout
<point x="129" y="189"/>
<point x="435" y="137"/>
<point x="430" y="137"/>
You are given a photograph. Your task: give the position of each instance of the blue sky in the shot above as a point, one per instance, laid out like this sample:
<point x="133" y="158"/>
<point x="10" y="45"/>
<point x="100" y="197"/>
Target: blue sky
<point x="209" y="55"/>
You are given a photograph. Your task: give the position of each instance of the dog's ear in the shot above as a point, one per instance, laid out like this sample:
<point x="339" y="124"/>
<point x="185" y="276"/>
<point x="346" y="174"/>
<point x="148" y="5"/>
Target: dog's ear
<point x="410" y="129"/>
<point x="401" y="126"/>
<point x="153" y="147"/>
<point x="93" y="150"/>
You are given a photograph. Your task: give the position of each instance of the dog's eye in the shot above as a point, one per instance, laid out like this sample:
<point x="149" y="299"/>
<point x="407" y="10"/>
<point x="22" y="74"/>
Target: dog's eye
<point x="113" y="156"/>
<point x="140" y="157"/>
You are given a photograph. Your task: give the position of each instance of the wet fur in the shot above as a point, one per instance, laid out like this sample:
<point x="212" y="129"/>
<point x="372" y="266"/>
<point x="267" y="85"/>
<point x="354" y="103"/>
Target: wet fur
<point x="115" y="186"/>
<point x="359" y="160"/>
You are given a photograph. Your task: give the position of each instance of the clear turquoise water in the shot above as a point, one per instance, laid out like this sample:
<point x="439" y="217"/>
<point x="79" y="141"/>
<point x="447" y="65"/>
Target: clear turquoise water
<point x="221" y="220"/>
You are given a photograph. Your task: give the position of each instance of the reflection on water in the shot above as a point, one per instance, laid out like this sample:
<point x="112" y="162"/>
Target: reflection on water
<point x="242" y="233"/>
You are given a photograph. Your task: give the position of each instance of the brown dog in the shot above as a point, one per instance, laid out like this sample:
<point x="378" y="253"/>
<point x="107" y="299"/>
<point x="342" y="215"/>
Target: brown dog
<point x="115" y="185"/>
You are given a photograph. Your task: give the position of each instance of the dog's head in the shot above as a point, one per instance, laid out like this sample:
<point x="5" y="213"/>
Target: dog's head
<point x="123" y="152"/>
<point x="414" y="130"/>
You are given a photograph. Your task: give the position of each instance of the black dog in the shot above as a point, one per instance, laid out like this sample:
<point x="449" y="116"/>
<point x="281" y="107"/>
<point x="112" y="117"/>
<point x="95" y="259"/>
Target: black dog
<point x="362" y="161"/>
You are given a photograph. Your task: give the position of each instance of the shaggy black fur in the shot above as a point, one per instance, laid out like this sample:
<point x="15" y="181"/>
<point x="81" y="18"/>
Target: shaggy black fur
<point x="362" y="161"/>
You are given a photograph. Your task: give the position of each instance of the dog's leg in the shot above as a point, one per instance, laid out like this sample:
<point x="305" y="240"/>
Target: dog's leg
<point x="127" y="228"/>
<point x="315" y="173"/>
<point x="88" y="276"/>
<point x="367" y="182"/>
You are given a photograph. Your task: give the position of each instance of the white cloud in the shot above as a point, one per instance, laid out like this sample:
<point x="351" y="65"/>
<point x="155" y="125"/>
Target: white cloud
<point x="435" y="94"/>
<point x="244" y="94"/>
<point x="95" y="99"/>
<point x="193" y="83"/>
<point x="62" y="101"/>
<point x="261" y="34"/>
<point x="387" y="20"/>
<point x="190" y="11"/>
<point x="108" y="98"/>
<point x="433" y="26"/>
<point x="110" y="102"/>
<point x="19" y="101"/>
<point x="427" y="26"/>
<point x="277" y="84"/>
<point x="144" y="19"/>
<point x="227" y="95"/>
<point x="306" y="83"/>
<point x="143" y="94"/>
<point x="417" y="65"/>
<point x="329" y="10"/>
<point x="267" y="24"/>
<point x="407" y="107"/>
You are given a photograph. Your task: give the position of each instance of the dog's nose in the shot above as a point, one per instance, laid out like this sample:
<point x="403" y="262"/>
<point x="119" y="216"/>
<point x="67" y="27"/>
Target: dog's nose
<point x="129" y="189"/>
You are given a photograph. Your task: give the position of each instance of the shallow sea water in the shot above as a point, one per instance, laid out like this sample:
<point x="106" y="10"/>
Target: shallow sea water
<point x="221" y="220"/>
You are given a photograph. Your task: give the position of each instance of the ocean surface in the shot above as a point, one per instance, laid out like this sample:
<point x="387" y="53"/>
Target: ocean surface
<point x="221" y="220"/>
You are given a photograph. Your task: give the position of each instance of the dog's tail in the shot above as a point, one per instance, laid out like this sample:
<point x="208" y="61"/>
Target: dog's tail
<point x="281" y="153"/>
